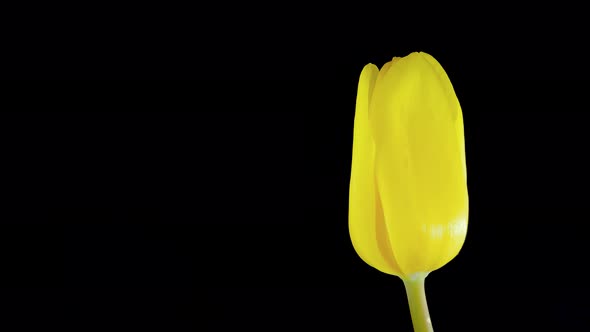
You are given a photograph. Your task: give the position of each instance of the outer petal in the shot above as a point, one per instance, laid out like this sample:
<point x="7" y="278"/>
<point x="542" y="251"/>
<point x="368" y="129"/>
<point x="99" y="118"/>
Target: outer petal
<point x="451" y="94"/>
<point x="420" y="163"/>
<point x="366" y="224"/>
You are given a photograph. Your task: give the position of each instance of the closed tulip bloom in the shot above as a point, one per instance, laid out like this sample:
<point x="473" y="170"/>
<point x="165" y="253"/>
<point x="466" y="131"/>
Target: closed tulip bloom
<point x="408" y="203"/>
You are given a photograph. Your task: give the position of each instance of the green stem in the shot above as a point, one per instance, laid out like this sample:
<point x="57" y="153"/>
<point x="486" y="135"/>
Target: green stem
<point x="417" y="300"/>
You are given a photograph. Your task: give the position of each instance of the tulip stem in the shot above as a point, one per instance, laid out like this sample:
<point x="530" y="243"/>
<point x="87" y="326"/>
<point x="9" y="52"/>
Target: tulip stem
<point x="417" y="300"/>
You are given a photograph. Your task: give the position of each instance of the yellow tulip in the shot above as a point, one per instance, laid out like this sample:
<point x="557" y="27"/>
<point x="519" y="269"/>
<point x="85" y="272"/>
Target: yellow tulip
<point x="408" y="203"/>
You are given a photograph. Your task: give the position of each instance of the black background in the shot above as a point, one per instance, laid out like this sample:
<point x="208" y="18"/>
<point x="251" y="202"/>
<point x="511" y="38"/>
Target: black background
<point x="220" y="203"/>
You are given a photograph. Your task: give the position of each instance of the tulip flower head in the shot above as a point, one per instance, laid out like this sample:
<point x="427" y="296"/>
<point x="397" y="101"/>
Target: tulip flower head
<point x="408" y="202"/>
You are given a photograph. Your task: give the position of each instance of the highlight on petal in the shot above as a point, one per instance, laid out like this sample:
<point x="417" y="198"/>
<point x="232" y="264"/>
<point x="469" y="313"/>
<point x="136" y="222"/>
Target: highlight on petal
<point x="366" y="224"/>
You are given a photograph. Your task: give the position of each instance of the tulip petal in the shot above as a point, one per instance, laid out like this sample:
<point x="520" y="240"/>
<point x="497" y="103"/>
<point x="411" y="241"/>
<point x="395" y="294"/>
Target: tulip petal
<point x="453" y="98"/>
<point x="420" y="163"/>
<point x="366" y="221"/>
<point x="455" y="238"/>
